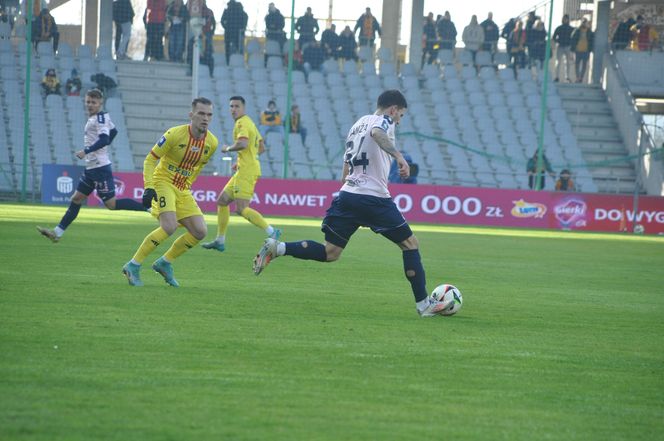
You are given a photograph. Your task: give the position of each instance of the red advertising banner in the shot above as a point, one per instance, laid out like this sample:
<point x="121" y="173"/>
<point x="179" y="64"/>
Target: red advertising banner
<point x="441" y="204"/>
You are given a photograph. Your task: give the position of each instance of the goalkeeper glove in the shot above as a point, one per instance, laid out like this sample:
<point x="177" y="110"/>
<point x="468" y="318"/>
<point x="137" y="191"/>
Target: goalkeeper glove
<point x="149" y="195"/>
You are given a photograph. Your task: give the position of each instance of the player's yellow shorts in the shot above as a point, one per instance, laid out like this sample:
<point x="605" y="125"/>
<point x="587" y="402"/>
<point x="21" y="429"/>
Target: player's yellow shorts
<point x="170" y="198"/>
<point x="241" y="186"/>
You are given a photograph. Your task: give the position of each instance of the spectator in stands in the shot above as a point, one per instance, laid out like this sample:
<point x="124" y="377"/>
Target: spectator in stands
<point x="178" y="17"/>
<point x="369" y="27"/>
<point x="274" y="25"/>
<point x="271" y="120"/>
<point x="394" y="176"/>
<point x="537" y="45"/>
<point x="329" y="40"/>
<point x="623" y="34"/>
<point x="154" y="20"/>
<point x="123" y="15"/>
<point x="47" y="29"/>
<point x="37" y="7"/>
<point x="508" y="28"/>
<point x="10" y="9"/>
<point x="307" y="27"/>
<point x="313" y="57"/>
<point x="528" y="26"/>
<point x="104" y="83"/>
<point x="429" y="40"/>
<point x="207" y="44"/>
<point x="298" y="61"/>
<point x="73" y="85"/>
<point x="296" y="123"/>
<point x="447" y="32"/>
<point x="347" y="45"/>
<point x="490" y="34"/>
<point x="50" y="84"/>
<point x="234" y="21"/>
<point x="516" y="47"/>
<point x="473" y="37"/>
<point x="565" y="182"/>
<point x="582" y="44"/>
<point x="532" y="170"/>
<point x="644" y="36"/>
<point x="562" y="36"/>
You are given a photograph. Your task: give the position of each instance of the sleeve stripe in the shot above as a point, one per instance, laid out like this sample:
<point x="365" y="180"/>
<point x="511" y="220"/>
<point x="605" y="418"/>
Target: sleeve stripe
<point x="152" y="153"/>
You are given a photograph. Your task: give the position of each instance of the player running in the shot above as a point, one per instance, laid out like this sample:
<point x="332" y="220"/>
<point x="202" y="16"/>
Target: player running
<point x="169" y="170"/>
<point x="364" y="200"/>
<point x="248" y="142"/>
<point x="98" y="135"/>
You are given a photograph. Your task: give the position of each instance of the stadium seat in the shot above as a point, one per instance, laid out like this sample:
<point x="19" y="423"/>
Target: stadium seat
<point x="256" y="61"/>
<point x="501" y="59"/>
<point x="272" y="48"/>
<point x="349" y="67"/>
<point x="253" y="47"/>
<point x="464" y="57"/>
<point x="365" y="53"/>
<point x="104" y="52"/>
<point x="385" y="54"/>
<point x="5" y="31"/>
<point x="330" y="65"/>
<point x="450" y="72"/>
<point x="431" y="71"/>
<point x="275" y="63"/>
<point x="483" y="58"/>
<point x="408" y="70"/>
<point x="446" y="56"/>
<point x="236" y="60"/>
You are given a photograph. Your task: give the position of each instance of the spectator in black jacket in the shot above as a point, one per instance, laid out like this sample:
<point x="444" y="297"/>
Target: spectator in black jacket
<point x="347" y="45"/>
<point x="623" y="34"/>
<point x="447" y="32"/>
<point x="123" y="15"/>
<point x="368" y="26"/>
<point x="562" y="36"/>
<point x="307" y="28"/>
<point x="582" y="41"/>
<point x="313" y="57"/>
<point x="430" y="40"/>
<point x="537" y="47"/>
<point x="234" y="21"/>
<point x="274" y="25"/>
<point x="329" y="40"/>
<point x="490" y="34"/>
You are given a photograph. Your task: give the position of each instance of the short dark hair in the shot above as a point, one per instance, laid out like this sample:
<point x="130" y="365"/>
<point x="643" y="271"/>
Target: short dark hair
<point x="390" y="98"/>
<point x="238" y="98"/>
<point x="95" y="93"/>
<point x="201" y="100"/>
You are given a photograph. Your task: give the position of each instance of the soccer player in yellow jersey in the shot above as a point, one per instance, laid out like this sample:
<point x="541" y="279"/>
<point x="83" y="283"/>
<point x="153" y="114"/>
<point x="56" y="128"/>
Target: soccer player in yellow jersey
<point x="240" y="188"/>
<point x="168" y="172"/>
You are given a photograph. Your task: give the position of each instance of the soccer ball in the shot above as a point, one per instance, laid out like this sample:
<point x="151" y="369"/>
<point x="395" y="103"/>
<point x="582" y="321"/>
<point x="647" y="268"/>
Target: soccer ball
<point x="445" y="293"/>
<point x="639" y="229"/>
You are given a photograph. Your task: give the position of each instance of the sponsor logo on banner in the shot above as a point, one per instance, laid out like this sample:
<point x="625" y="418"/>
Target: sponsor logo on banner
<point x="523" y="209"/>
<point x="571" y="213"/>
<point x="65" y="183"/>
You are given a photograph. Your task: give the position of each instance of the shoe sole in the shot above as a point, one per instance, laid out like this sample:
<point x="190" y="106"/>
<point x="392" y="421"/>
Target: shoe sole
<point x="213" y="247"/>
<point x="47" y="234"/>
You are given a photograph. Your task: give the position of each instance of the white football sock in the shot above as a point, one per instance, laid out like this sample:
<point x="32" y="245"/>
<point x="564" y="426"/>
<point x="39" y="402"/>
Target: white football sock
<point x="58" y="231"/>
<point x="269" y="230"/>
<point x="281" y="249"/>
<point x="422" y="304"/>
<point x="220" y="239"/>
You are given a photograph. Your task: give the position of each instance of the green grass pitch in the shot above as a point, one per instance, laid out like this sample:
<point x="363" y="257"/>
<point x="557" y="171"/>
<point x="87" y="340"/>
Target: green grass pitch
<point x="561" y="337"/>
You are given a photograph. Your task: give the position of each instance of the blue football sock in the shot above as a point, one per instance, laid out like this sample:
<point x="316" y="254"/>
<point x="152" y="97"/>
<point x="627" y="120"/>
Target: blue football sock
<point x="128" y="204"/>
<point x="412" y="266"/>
<point x="70" y="215"/>
<point x="307" y="250"/>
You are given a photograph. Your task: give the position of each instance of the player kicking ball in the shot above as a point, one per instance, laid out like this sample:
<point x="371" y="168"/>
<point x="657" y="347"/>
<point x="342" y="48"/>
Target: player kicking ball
<point x="364" y="201"/>
<point x="169" y="170"/>
<point x="98" y="175"/>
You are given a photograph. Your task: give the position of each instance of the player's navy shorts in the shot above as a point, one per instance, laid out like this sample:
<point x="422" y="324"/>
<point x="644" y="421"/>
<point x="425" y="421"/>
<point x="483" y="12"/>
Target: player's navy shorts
<point x="100" y="179"/>
<point x="350" y="211"/>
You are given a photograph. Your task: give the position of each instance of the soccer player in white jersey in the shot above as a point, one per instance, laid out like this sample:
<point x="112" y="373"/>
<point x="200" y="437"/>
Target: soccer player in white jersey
<point x="364" y="201"/>
<point x="98" y="175"/>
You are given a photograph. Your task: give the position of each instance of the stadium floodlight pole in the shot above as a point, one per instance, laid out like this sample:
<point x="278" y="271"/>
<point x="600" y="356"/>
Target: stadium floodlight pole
<point x="196" y="25"/>
<point x="545" y="88"/>
<point x="289" y="91"/>
<point x="637" y="182"/>
<point x="26" y="111"/>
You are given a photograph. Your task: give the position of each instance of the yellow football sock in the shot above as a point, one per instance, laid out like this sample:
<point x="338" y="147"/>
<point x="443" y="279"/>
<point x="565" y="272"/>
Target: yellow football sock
<point x="180" y="246"/>
<point x="223" y="218"/>
<point x="254" y="217"/>
<point x="149" y="244"/>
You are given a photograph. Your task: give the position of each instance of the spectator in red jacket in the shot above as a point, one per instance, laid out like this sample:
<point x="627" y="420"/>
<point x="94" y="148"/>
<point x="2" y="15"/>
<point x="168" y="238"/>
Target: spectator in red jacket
<point x="154" y="20"/>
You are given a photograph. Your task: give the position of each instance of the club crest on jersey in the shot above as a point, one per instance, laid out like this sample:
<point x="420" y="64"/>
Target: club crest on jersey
<point x="182" y="145"/>
<point x="161" y="141"/>
<point x="195" y="148"/>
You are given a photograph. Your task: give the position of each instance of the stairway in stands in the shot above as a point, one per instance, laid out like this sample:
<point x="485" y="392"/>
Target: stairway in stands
<point x="156" y="96"/>
<point x="598" y="137"/>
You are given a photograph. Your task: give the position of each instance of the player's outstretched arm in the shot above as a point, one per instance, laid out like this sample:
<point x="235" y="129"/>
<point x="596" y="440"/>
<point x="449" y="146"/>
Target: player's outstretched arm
<point x="384" y="142"/>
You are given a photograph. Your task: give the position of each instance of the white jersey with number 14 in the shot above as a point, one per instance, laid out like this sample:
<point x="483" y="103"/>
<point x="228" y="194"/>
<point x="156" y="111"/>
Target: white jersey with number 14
<point x="369" y="165"/>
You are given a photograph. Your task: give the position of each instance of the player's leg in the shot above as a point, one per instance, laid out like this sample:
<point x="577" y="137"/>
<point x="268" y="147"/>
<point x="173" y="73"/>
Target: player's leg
<point x="124" y="204"/>
<point x="223" y="218"/>
<point x="338" y="226"/>
<point x="242" y="193"/>
<point x="164" y="209"/>
<point x="190" y="216"/>
<point x="85" y="186"/>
